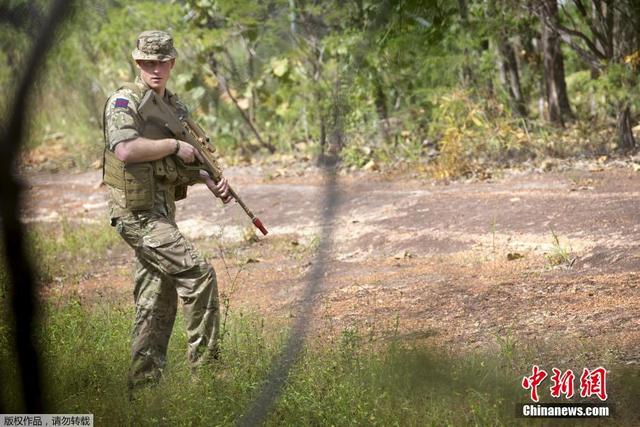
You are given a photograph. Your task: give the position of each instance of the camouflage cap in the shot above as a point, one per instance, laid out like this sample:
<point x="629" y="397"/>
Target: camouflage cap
<point x="154" y="46"/>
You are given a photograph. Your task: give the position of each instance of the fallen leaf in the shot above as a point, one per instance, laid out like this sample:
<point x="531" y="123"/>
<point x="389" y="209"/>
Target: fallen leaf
<point x="371" y="166"/>
<point x="403" y="255"/>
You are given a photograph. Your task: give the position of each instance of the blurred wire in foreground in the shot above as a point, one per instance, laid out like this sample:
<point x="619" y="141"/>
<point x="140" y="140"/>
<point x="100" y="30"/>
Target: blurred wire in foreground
<point x="258" y="410"/>
<point x="22" y="288"/>
<point x="271" y="390"/>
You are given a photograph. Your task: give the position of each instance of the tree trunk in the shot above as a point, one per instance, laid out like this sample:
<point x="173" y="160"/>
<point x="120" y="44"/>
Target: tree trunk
<point x="542" y="98"/>
<point x="626" y="141"/>
<point x="360" y="5"/>
<point x="336" y="138"/>
<point x="381" y="107"/>
<point x="512" y="76"/>
<point x="251" y="70"/>
<point x="559" y="109"/>
<point x="602" y="12"/>
<point x="466" y="71"/>
<point x="484" y="46"/>
<point x="323" y="134"/>
<point x="625" y="37"/>
<point x="292" y="18"/>
<point x="322" y="124"/>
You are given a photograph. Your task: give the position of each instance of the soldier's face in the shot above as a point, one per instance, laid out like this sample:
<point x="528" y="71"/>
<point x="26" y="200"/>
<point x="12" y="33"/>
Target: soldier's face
<point x="155" y="73"/>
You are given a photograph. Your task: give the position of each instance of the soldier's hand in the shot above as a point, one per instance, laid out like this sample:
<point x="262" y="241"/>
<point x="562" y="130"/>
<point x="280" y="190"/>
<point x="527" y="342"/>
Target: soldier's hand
<point x="186" y="152"/>
<point x="220" y="190"/>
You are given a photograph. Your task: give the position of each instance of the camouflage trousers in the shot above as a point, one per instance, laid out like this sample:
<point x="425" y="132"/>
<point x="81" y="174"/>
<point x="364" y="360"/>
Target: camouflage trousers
<point x="168" y="267"/>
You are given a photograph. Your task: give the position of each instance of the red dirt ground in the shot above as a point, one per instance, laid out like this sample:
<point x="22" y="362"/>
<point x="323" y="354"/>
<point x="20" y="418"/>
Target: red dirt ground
<point x="411" y="258"/>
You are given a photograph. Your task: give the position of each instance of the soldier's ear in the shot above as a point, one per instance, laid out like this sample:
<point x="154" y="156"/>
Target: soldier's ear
<point x="173" y="62"/>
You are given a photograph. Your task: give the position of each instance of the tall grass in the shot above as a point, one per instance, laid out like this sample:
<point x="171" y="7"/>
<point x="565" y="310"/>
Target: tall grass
<point x="344" y="381"/>
<point x="86" y="356"/>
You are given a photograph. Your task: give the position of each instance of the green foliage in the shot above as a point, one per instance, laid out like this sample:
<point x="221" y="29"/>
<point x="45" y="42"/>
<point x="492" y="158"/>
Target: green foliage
<point x="88" y="62"/>
<point x="371" y="78"/>
<point x="599" y="98"/>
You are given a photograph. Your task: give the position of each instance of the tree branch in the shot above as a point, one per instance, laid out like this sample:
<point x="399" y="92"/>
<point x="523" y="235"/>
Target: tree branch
<point x="225" y="86"/>
<point x="591" y="54"/>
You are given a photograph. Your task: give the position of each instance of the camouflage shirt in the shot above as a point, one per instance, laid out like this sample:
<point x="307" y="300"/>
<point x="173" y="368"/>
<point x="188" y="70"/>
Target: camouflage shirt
<point x="123" y="123"/>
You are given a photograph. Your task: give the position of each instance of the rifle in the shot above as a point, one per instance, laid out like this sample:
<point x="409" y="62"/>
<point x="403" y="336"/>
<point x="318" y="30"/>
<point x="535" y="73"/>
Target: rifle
<point x="153" y="108"/>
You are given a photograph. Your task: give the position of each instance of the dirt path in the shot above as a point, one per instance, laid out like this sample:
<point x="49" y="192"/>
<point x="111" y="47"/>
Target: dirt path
<point x="469" y="264"/>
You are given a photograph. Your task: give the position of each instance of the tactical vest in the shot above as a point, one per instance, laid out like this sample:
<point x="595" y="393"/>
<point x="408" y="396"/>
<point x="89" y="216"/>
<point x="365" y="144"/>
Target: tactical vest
<point x="140" y="181"/>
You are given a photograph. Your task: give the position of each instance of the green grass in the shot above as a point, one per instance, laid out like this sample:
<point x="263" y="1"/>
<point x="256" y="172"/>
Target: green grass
<point x="86" y="359"/>
<point x="71" y="250"/>
<point x="343" y="381"/>
<point x="561" y="255"/>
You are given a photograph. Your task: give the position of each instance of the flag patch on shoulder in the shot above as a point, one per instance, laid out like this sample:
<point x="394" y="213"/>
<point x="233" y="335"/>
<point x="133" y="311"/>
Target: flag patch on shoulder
<point x="122" y="103"/>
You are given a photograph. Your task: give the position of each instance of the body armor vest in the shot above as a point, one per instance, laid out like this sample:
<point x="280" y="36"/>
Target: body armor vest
<point x="140" y="181"/>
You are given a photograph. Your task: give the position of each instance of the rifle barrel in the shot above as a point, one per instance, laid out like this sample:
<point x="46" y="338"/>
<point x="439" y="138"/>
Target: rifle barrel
<point x="256" y="221"/>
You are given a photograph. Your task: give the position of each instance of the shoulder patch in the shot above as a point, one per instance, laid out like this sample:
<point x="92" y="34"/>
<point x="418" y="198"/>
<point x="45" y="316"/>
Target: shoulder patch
<point x="121" y="103"/>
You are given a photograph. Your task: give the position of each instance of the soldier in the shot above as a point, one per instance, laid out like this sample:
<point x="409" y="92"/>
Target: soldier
<point x="142" y="172"/>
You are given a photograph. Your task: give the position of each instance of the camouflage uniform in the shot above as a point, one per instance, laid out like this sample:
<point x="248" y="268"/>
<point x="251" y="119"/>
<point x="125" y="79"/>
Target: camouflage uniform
<point x="167" y="264"/>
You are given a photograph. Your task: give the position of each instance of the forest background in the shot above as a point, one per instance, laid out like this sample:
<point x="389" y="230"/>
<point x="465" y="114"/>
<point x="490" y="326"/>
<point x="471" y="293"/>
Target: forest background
<point x="448" y="88"/>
